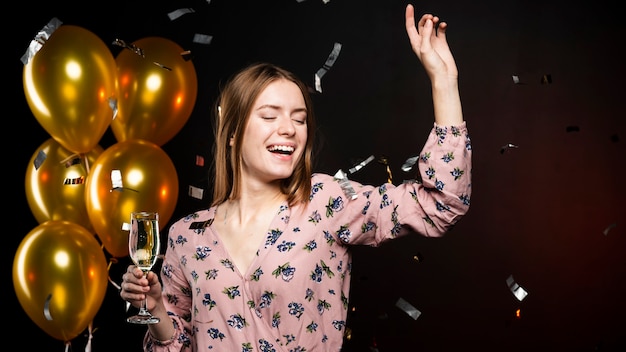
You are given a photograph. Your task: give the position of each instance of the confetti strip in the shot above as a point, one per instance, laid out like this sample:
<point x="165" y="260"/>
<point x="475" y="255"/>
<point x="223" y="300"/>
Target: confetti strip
<point x="517" y="290"/>
<point x="161" y="66"/>
<point x="330" y="61"/>
<point x="342" y="178"/>
<point x="196" y="192"/>
<point x="408" y="308"/>
<point x="74" y="181"/>
<point x="40" y="39"/>
<point x="113" y="106"/>
<point x="202" y="38"/>
<point x="606" y="231"/>
<point x="360" y="165"/>
<point x="116" y="180"/>
<point x="199" y="160"/>
<point x="39" y="159"/>
<point x="130" y="47"/>
<point x="409" y="163"/>
<point x="506" y="147"/>
<point x="46" y="308"/>
<point x="180" y="12"/>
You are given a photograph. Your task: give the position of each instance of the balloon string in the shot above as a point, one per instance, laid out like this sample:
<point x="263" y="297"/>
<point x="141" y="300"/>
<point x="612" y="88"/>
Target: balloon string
<point x="67" y="346"/>
<point x="113" y="260"/>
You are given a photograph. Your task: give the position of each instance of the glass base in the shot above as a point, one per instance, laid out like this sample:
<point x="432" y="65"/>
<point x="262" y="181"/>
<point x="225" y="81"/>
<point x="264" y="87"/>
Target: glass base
<point x="143" y="319"/>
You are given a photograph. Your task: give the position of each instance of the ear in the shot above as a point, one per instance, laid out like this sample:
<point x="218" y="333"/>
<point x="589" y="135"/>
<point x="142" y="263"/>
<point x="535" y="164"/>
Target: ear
<point x="231" y="141"/>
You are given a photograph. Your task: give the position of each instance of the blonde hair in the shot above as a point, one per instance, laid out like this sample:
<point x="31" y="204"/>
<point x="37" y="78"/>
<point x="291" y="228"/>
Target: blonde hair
<point x="231" y="112"/>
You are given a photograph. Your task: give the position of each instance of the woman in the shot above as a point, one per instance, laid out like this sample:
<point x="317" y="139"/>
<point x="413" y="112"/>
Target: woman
<point x="267" y="266"/>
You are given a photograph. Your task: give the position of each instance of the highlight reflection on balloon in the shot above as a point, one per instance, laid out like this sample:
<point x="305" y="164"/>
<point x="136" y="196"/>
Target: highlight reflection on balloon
<point x="149" y="182"/>
<point x="156" y="93"/>
<point x="60" y="277"/>
<point x="55" y="190"/>
<point x="68" y="84"/>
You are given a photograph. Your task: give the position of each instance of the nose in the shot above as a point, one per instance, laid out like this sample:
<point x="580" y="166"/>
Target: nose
<point x="286" y="126"/>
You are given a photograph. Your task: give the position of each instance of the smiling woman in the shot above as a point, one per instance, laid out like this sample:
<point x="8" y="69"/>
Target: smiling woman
<point x="268" y="265"/>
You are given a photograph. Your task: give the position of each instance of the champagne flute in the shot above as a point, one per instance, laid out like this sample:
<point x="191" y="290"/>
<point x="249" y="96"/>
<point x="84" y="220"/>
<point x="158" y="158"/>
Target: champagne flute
<point x="144" y="247"/>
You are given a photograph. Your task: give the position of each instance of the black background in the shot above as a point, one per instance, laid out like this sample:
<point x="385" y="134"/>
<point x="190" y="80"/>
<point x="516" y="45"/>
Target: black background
<point x="538" y="211"/>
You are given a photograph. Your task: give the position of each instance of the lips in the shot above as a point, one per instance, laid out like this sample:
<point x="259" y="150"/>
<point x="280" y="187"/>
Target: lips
<point x="281" y="149"/>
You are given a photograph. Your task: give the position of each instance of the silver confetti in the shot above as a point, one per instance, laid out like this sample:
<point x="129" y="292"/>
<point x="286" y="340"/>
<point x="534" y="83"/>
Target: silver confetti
<point x="408" y="308"/>
<point x="409" y="163"/>
<point x="177" y="13"/>
<point x="517" y="290"/>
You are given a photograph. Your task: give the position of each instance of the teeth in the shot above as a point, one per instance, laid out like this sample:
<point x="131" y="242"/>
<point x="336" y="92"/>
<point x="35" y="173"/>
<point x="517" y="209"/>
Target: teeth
<point x="281" y="148"/>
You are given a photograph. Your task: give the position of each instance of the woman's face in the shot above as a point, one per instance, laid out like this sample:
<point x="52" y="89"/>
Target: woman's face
<point x="276" y="133"/>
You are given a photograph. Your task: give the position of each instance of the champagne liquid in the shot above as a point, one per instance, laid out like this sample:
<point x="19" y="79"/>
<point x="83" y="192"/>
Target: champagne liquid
<point x="144" y="244"/>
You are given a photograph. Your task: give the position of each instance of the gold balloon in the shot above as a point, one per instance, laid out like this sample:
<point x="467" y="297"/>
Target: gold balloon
<point x="68" y="83"/>
<point x="146" y="180"/>
<point x="60" y="277"/>
<point x="55" y="183"/>
<point x="156" y="93"/>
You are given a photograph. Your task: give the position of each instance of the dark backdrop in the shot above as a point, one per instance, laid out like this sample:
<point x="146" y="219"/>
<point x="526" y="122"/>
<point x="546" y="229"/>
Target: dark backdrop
<point x="538" y="211"/>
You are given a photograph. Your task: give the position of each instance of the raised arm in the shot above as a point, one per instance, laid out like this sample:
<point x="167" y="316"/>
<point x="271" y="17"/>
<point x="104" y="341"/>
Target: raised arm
<point x="429" y="43"/>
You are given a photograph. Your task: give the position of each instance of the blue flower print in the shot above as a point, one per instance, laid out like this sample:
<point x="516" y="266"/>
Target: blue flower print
<point x="465" y="199"/>
<point x="215" y="334"/>
<point x="310" y="246"/>
<point x="442" y="207"/>
<point x="181" y="240"/>
<point x="296" y="309"/>
<point x="344" y="234"/>
<point x="211" y="274"/>
<point x="276" y="320"/>
<point x="272" y="236"/>
<point x="311" y="327"/>
<point x="237" y="321"/>
<point x="286" y="271"/>
<point x="201" y="252"/>
<point x="266" y="346"/>
<point x="425" y="157"/>
<point x="448" y="157"/>
<point x="457" y="173"/>
<point x="285" y="246"/>
<point x="232" y="291"/>
<point x="309" y="294"/>
<point x="329" y="238"/>
<point x="322" y="306"/>
<point x="166" y="270"/>
<point x="266" y="299"/>
<point x="315" y="217"/>
<point x="228" y="264"/>
<point x="316" y="188"/>
<point x="430" y="173"/>
<point x="256" y="275"/>
<point x="339" y="324"/>
<point x="247" y="347"/>
<point x="208" y="302"/>
<point x="439" y="185"/>
<point x="368" y="226"/>
<point x="334" y="205"/>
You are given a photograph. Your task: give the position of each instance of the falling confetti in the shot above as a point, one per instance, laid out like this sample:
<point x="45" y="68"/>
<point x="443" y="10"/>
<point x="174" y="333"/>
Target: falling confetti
<point x="180" y="12"/>
<point x="506" y="147"/>
<point x="517" y="290"/>
<point x="608" y="228"/>
<point x="408" y="308"/>
<point x="130" y="47"/>
<point x="546" y="79"/>
<point x="409" y="163"/>
<point x="385" y="161"/>
<point x="196" y="192"/>
<point x="330" y="61"/>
